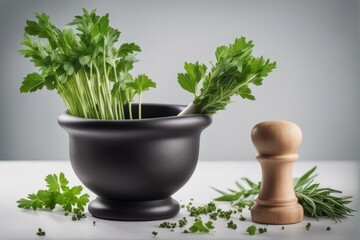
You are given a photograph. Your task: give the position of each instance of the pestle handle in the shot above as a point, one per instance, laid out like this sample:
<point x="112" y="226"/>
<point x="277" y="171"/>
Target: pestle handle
<point x="190" y="109"/>
<point x="276" y="143"/>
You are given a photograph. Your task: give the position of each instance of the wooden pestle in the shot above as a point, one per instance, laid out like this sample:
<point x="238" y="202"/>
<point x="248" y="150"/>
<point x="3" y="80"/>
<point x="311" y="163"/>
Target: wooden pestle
<point x="276" y="143"/>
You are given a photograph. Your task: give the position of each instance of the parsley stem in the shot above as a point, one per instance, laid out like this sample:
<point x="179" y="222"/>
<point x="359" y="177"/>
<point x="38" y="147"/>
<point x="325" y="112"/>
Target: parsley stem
<point x="140" y="106"/>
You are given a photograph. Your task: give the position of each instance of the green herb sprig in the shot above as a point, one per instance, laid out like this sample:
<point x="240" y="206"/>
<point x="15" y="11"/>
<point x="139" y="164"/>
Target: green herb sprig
<point x="86" y="68"/>
<point x="57" y="193"/>
<point x="235" y="69"/>
<point x="316" y="201"/>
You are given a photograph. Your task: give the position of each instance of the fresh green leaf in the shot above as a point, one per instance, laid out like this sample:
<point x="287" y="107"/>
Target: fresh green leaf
<point x="229" y="197"/>
<point x="32" y="82"/>
<point x="221" y="53"/>
<point x="82" y="201"/>
<point x="141" y="84"/>
<point x="48" y="198"/>
<point x="104" y="24"/>
<point x="52" y="181"/>
<point x="190" y="80"/>
<point x="84" y="60"/>
<point x="51" y="82"/>
<point x="69" y="198"/>
<point x="199" y="227"/>
<point x="63" y="182"/>
<point x="32" y="28"/>
<point x="69" y="69"/>
<point x="33" y="202"/>
<point x="128" y="48"/>
<point x="305" y="179"/>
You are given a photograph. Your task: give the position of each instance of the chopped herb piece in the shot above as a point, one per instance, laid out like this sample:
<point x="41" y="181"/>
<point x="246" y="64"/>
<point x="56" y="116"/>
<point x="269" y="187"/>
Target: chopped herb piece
<point x="41" y="232"/>
<point x="154" y="233"/>
<point x="183" y="222"/>
<point x="282" y="228"/>
<point x="209" y="225"/>
<point x="231" y="225"/>
<point x="242" y="218"/>
<point x="308" y="226"/>
<point x="251" y="230"/>
<point x="213" y="215"/>
<point x="206" y="209"/>
<point x="225" y="214"/>
<point x="262" y="230"/>
<point x="167" y="225"/>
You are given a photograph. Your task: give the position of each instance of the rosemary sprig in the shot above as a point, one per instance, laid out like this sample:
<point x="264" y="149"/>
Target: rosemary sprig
<point x="316" y="201"/>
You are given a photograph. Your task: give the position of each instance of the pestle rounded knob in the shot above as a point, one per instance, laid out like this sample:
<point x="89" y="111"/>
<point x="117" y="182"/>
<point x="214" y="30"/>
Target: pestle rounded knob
<point x="276" y="138"/>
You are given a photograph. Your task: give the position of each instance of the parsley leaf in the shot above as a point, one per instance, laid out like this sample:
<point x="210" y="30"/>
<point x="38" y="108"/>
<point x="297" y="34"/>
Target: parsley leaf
<point x="128" y="48"/>
<point x="55" y="183"/>
<point x="194" y="74"/>
<point x="141" y="84"/>
<point x="32" y="82"/>
<point x="48" y="198"/>
<point x="199" y="227"/>
<point x="32" y="201"/>
<point x="57" y="193"/>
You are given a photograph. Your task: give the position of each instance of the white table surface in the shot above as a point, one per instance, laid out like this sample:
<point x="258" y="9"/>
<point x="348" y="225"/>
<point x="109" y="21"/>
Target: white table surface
<point x="18" y="178"/>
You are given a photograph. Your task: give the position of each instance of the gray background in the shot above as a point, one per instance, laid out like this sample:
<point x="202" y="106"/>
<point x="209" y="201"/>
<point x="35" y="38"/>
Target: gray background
<point x="316" y="84"/>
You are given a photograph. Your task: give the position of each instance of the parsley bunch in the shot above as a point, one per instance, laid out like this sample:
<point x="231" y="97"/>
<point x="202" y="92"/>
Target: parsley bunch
<point x="235" y="69"/>
<point x="84" y="66"/>
<point x="57" y="193"/>
<point x="316" y="201"/>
